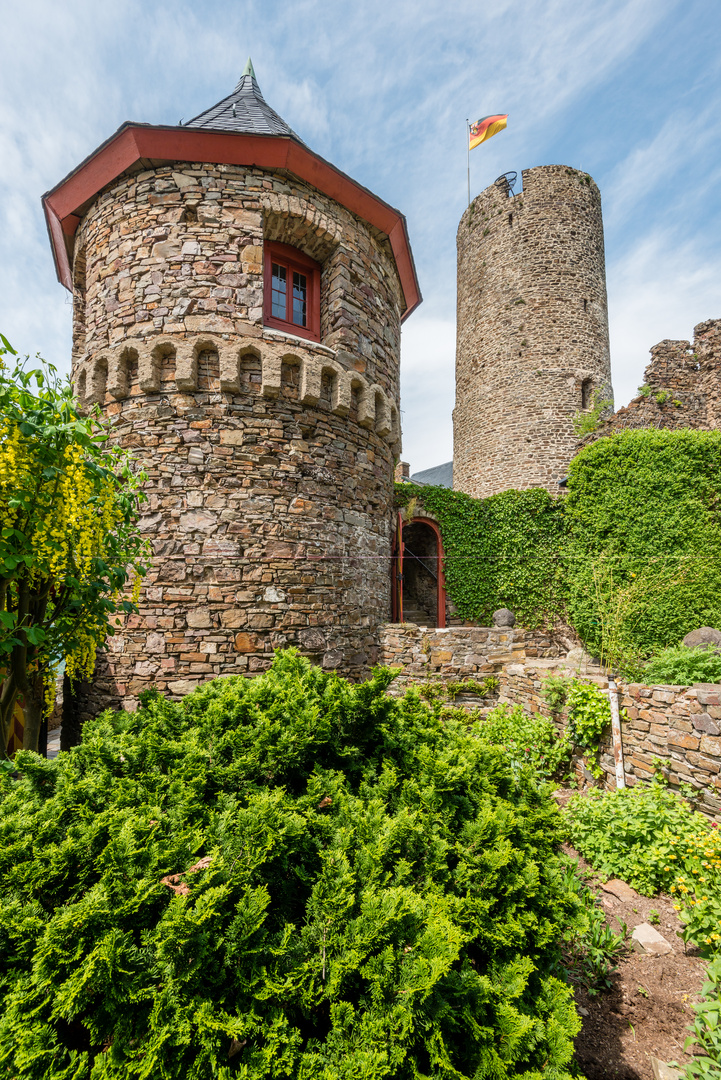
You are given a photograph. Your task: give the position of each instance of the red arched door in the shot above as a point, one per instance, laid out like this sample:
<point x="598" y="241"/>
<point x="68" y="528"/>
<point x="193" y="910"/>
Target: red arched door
<point x="419" y="586"/>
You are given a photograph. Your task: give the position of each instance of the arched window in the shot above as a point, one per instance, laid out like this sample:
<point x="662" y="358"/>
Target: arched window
<point x="291" y="287"/>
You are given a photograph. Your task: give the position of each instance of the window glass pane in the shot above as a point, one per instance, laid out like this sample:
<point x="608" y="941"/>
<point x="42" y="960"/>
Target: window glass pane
<point x="278" y="292"/>
<point x="300" y="298"/>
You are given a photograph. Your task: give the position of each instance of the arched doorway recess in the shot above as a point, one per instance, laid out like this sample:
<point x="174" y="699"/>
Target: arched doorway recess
<point x="419" y="585"/>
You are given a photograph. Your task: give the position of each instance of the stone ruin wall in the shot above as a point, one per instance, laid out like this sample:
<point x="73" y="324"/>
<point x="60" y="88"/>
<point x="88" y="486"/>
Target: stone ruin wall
<point x="688" y="380"/>
<point x="269" y="457"/>
<point x="532" y="338"/>
<point x="679" y="725"/>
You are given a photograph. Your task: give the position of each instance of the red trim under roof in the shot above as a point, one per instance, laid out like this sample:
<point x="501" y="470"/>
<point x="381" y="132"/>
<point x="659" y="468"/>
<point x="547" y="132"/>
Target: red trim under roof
<point x="135" y="142"/>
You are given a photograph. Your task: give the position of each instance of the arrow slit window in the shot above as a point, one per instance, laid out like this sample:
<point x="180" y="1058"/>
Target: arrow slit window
<point x="292" y="291"/>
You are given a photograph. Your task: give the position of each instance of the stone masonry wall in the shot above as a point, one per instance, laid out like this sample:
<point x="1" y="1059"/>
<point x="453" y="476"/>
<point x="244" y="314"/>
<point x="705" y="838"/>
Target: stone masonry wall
<point x="269" y="457"/>
<point x="686" y="378"/>
<point x="532" y="337"/>
<point x="681" y="726"/>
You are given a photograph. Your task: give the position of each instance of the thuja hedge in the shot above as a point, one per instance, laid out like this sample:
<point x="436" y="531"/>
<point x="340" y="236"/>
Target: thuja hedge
<point x="631" y="554"/>
<point x="286" y="877"/>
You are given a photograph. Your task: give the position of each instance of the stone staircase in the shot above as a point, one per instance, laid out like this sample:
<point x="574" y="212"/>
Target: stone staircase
<point x="418" y="616"/>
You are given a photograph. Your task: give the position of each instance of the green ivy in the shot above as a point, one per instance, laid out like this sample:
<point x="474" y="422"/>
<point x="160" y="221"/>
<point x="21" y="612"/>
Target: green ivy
<point x="630" y="556"/>
<point x="505" y="551"/>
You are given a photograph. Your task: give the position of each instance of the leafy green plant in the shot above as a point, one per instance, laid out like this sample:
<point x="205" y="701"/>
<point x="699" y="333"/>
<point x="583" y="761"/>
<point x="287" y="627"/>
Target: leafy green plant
<point x="282" y="876"/>
<point x="590" y="947"/>
<point x="586" y="421"/>
<point x="528" y="740"/>
<point x="661" y="397"/>
<point x="681" y="666"/>
<point x="69" y="542"/>
<point x="706" y="1028"/>
<point x="554" y="691"/>
<point x="653" y="917"/>
<point x="472" y="686"/>
<point x="645" y="390"/>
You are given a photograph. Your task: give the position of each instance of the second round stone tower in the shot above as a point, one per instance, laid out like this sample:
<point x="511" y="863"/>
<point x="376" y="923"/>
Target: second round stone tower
<point x="532" y="330"/>
<point x="237" y="310"/>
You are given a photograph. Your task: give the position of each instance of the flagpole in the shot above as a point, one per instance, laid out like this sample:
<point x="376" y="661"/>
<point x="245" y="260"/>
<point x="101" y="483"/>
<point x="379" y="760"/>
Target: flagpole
<point x="468" y="150"/>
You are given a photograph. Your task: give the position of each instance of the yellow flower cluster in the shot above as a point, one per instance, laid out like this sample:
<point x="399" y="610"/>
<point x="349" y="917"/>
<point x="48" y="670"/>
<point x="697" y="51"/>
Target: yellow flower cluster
<point x="65" y="515"/>
<point x="699" y="856"/>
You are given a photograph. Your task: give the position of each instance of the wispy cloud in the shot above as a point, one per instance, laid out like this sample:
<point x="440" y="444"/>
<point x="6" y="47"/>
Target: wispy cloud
<point x="383" y="90"/>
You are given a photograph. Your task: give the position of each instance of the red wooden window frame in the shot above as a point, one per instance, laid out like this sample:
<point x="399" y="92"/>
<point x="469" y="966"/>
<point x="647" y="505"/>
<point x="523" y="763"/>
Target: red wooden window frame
<point x="292" y="259"/>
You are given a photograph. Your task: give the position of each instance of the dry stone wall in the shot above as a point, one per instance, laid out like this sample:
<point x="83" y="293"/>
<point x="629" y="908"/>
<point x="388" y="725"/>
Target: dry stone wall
<point x="532" y="339"/>
<point x="269" y="457"/>
<point x="682" y="386"/>
<point x="680" y="726"/>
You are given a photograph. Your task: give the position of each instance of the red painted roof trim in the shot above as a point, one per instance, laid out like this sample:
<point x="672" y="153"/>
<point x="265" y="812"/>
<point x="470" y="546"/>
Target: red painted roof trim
<point x="133" y="142"/>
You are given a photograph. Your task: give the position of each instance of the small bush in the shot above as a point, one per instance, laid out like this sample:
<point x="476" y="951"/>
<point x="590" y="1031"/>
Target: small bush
<point x="527" y="740"/>
<point x="286" y="876"/>
<point x="679" y="666"/>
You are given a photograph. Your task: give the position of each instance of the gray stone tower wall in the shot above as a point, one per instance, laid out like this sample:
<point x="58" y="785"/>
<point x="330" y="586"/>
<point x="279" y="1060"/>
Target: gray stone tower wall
<point x="532" y="330"/>
<point x="269" y="457"/>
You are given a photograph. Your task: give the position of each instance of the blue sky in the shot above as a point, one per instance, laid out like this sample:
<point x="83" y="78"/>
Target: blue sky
<point x="628" y="90"/>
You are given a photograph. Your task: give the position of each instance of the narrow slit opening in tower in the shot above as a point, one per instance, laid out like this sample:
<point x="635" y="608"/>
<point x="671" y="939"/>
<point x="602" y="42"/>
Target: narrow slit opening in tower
<point x="587" y="393"/>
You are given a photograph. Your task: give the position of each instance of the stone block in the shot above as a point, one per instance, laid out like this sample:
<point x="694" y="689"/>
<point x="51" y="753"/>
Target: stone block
<point x="650" y="941"/>
<point x="711" y="745"/>
<point x="198" y="618"/>
<point x="705" y="723"/>
<point x="246" y="643"/>
<point x="680" y="738"/>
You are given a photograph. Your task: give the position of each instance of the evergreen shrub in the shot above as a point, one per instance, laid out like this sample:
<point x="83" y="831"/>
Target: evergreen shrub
<point x="680" y="666"/>
<point x="288" y="877"/>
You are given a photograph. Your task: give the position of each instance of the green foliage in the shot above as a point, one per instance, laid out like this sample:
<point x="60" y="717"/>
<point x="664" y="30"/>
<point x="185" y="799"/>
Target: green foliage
<point x="706" y="1027"/>
<point x="69" y="506"/>
<point x="586" y="421"/>
<point x="656" y="842"/>
<point x="472" y="686"/>
<point x="500" y="552"/>
<point x="589" y="713"/>
<point x="679" y="666"/>
<point x="527" y="740"/>
<point x="644" y="545"/>
<point x="589" y="945"/>
<point x="287" y="876"/>
<point x="554" y="691"/>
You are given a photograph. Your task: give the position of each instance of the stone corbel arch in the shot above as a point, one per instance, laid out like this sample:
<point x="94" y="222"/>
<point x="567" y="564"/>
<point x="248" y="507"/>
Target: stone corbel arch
<point x="381" y="411"/>
<point x="290" y="220"/>
<point x="97" y="379"/>
<point x="150" y="363"/>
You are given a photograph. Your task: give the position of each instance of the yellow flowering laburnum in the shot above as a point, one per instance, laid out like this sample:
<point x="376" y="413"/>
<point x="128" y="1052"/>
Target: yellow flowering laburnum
<point x="69" y="544"/>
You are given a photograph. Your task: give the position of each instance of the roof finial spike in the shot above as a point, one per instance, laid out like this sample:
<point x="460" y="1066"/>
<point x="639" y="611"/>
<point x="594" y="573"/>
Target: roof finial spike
<point x="248" y="69"/>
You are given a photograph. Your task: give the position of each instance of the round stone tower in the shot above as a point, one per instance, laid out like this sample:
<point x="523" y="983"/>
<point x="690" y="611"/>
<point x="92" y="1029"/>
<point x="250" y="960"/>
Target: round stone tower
<point x="237" y="310"/>
<point x="532" y="330"/>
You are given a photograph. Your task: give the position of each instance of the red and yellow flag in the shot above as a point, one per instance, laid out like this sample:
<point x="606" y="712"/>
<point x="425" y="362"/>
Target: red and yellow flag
<point x="486" y="128"/>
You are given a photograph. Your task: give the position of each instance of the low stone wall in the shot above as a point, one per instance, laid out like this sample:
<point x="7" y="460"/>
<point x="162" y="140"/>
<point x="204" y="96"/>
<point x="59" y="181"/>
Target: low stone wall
<point x="679" y="725"/>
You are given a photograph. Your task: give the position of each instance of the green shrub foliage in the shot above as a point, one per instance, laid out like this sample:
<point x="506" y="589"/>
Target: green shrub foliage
<point x="630" y="556"/>
<point x="353" y="888"/>
<point x="680" y="666"/>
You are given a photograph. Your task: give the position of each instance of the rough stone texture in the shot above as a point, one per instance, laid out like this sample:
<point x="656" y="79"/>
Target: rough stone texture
<point x="532" y="340"/>
<point x="650" y="940"/>
<point x="705" y="637"/>
<point x="686" y="378"/>
<point x="269" y="457"/>
<point x="619" y="889"/>
<point x="677" y="724"/>
<point x="504" y="617"/>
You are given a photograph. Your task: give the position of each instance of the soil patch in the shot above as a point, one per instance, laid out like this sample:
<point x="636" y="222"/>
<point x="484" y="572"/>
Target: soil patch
<point x="648" y="1010"/>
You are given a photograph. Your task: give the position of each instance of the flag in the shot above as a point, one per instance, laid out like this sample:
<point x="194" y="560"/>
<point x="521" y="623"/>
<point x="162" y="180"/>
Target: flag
<point x="486" y="128"/>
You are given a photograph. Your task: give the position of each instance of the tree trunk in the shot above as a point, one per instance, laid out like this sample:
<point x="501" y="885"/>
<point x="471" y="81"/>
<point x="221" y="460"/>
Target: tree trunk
<point x="8" y="697"/>
<point x="70" y="731"/>
<point x="33" y="706"/>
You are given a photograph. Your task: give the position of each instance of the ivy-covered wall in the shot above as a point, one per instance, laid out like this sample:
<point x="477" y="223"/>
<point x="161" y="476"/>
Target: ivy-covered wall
<point x="630" y="556"/>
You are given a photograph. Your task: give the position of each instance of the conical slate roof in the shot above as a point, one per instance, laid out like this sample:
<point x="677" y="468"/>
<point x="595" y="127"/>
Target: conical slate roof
<point x="244" y="112"/>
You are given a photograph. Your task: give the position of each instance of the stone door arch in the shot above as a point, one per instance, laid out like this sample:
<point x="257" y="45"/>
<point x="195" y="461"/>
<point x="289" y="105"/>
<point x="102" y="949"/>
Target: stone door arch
<point x="419" y="584"/>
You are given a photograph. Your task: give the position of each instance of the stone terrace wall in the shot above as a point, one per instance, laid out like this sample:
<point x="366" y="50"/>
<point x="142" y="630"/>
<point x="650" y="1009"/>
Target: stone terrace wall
<point x="680" y="725"/>
<point x="690" y="376"/>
